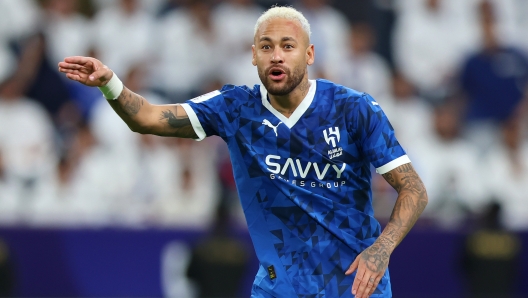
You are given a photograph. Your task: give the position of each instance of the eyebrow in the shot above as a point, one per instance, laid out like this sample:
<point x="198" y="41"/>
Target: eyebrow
<point x="286" y="38"/>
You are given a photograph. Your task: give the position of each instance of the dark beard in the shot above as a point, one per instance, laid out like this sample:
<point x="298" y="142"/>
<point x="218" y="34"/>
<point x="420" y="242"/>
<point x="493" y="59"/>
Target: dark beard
<point x="293" y="80"/>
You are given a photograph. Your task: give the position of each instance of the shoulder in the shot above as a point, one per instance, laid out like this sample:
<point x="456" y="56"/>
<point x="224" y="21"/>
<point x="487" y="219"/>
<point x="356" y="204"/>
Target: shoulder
<point x="240" y="92"/>
<point x="338" y="92"/>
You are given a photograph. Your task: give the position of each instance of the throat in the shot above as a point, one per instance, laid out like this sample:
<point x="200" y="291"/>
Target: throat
<point x="286" y="105"/>
<point x="285" y="112"/>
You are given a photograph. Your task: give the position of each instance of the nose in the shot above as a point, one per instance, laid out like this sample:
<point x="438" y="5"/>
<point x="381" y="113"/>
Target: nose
<point x="276" y="56"/>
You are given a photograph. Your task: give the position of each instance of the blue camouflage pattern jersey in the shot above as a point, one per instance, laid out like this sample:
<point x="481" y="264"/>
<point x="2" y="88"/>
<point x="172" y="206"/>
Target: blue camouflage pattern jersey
<point x="304" y="181"/>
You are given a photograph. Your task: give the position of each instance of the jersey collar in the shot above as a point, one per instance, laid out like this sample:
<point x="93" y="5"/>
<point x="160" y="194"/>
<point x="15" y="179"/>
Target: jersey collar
<point x="299" y="111"/>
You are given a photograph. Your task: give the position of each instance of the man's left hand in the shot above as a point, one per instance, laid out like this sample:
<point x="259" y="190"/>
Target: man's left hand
<point x="370" y="265"/>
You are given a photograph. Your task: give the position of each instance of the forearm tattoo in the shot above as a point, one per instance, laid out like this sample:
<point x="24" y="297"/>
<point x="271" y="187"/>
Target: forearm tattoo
<point x="130" y="102"/>
<point x="128" y="106"/>
<point x="412" y="199"/>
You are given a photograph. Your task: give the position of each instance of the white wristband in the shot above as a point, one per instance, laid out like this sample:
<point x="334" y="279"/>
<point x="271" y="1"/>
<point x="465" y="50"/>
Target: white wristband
<point x="113" y="88"/>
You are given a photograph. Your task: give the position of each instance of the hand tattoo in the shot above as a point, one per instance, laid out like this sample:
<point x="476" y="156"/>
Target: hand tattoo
<point x="376" y="257"/>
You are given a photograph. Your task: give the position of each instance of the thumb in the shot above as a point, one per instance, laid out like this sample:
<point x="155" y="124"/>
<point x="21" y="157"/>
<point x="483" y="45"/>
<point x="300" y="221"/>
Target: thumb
<point x="353" y="267"/>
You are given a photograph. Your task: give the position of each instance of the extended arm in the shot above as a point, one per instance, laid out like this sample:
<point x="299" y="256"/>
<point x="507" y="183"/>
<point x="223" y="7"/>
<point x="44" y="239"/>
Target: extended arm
<point x="412" y="199"/>
<point x="136" y="111"/>
<point x="146" y="118"/>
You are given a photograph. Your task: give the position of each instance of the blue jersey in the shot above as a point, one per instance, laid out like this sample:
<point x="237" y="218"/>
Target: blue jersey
<point x="303" y="181"/>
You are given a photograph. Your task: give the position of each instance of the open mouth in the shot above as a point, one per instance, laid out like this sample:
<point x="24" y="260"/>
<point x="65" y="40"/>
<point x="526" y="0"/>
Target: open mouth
<point x="277" y="74"/>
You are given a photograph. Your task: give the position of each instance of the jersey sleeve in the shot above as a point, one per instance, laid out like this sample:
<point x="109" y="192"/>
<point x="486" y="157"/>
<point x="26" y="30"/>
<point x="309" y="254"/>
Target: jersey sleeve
<point x="210" y="113"/>
<point x="376" y="136"/>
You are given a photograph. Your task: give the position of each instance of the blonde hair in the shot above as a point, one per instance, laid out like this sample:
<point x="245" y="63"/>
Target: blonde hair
<point x="283" y="12"/>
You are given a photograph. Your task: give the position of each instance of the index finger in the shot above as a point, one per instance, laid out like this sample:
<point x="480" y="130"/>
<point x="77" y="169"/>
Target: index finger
<point x="78" y="59"/>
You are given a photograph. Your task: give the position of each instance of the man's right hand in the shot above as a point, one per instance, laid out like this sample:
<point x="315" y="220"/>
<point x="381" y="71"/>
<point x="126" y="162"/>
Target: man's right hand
<point x="86" y="70"/>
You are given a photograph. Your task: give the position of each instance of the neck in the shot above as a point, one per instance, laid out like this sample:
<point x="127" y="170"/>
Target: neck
<point x="286" y="104"/>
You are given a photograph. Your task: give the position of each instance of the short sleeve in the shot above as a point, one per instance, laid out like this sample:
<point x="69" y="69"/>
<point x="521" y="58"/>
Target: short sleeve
<point x="376" y="136"/>
<point x="209" y="114"/>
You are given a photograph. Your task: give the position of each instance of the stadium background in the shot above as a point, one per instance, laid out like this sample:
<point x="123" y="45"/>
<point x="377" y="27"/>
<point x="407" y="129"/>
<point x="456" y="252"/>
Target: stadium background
<point x="90" y="209"/>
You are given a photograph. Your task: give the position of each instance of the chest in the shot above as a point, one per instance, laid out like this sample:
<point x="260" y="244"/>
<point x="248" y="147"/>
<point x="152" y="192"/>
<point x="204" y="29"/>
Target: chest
<point x="314" y="138"/>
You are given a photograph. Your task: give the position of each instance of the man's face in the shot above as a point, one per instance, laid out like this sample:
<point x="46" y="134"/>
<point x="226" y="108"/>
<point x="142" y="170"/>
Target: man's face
<point x="281" y="54"/>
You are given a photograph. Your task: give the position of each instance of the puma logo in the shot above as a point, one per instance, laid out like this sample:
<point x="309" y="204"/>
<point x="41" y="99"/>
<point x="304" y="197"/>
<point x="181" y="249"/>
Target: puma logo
<point x="267" y="123"/>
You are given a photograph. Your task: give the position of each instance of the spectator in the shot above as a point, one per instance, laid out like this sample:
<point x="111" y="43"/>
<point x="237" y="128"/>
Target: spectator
<point x="507" y="173"/>
<point x="125" y="23"/>
<point x="183" y="66"/>
<point x="18" y="20"/>
<point x="236" y="19"/>
<point x="494" y="79"/>
<point x="450" y="167"/>
<point x="66" y="30"/>
<point x="330" y="31"/>
<point x="432" y="28"/>
<point x="412" y="115"/>
<point x="28" y="152"/>
<point x="67" y="33"/>
<point x="197" y="193"/>
<point x="365" y="70"/>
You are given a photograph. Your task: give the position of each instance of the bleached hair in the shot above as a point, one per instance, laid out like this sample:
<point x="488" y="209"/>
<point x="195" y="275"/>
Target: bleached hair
<point x="283" y="12"/>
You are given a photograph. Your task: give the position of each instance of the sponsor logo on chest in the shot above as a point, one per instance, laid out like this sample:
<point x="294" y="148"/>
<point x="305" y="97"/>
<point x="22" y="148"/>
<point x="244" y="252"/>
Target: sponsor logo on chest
<point x="332" y="137"/>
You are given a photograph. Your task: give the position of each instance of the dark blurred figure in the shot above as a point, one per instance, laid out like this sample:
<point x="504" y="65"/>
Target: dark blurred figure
<point x="44" y="83"/>
<point x="491" y="257"/>
<point x="506" y="172"/>
<point x="219" y="261"/>
<point x="494" y="78"/>
<point x="6" y="271"/>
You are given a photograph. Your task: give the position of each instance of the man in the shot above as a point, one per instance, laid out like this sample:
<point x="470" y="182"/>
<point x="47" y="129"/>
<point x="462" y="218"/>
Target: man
<point x="301" y="152"/>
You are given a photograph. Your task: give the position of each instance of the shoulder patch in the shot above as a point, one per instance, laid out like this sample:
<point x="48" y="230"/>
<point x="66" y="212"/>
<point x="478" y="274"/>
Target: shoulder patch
<point x="205" y="97"/>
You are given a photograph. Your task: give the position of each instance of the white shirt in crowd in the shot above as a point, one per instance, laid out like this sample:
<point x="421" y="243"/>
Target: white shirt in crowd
<point x="452" y="176"/>
<point x="330" y="31"/>
<point x="123" y="40"/>
<point x="187" y="54"/>
<point x="18" y="19"/>
<point x="28" y="156"/>
<point x="66" y="35"/>
<point x="421" y="34"/>
<point x="506" y="181"/>
<point x="368" y="73"/>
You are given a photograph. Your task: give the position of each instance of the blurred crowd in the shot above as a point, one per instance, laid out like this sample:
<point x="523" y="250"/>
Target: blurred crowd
<point x="451" y="75"/>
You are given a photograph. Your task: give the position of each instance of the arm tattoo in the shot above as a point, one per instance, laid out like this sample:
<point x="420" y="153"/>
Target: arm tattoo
<point x="131" y="102"/>
<point x="129" y="107"/>
<point x="412" y="199"/>
<point x="179" y="126"/>
<point x="174" y="121"/>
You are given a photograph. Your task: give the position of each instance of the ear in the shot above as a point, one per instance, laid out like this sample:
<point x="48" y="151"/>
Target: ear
<point x="254" y="59"/>
<point x="310" y="54"/>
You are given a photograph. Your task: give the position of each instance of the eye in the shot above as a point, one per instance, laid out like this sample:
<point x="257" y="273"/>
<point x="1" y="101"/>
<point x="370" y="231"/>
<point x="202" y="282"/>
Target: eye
<point x="265" y="47"/>
<point x="288" y="46"/>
